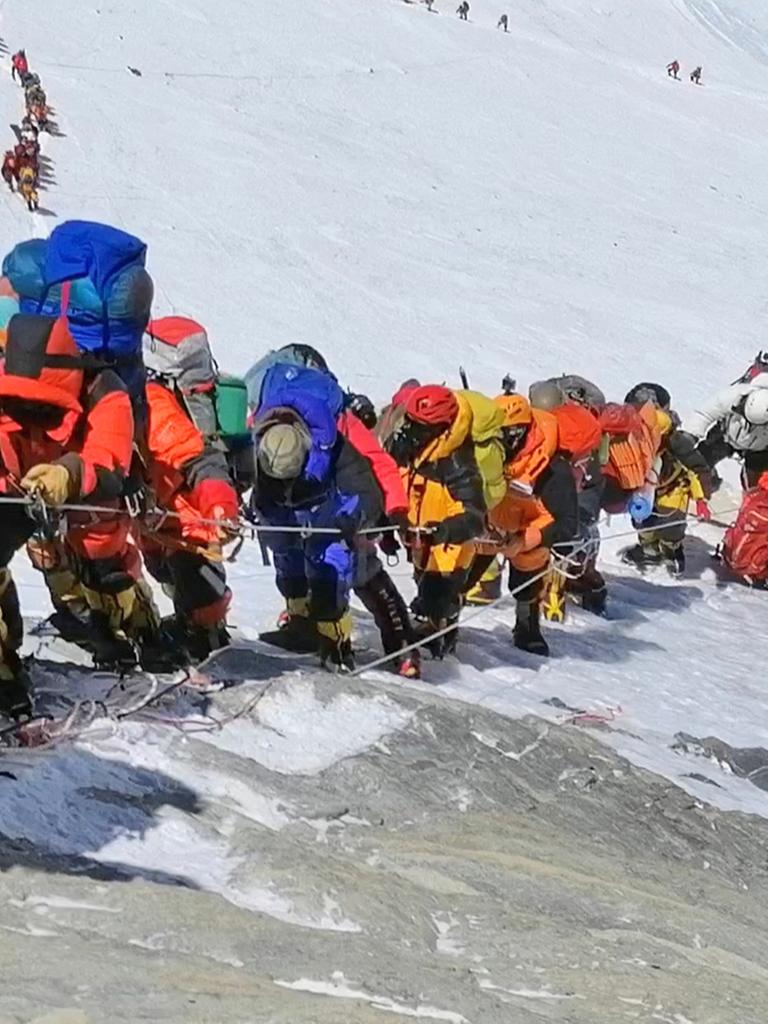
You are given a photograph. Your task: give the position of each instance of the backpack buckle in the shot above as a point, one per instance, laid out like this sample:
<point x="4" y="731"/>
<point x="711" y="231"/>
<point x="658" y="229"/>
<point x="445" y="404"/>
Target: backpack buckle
<point x="134" y="504"/>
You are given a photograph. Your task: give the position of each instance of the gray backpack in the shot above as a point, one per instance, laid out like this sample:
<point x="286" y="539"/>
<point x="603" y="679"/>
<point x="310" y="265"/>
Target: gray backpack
<point x="177" y="350"/>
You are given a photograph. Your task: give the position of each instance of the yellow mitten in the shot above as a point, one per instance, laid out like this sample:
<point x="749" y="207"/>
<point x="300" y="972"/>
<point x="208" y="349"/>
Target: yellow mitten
<point x="50" y="481"/>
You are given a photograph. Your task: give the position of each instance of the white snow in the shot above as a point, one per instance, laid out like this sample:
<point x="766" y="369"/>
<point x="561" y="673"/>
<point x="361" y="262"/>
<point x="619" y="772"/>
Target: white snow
<point x="525" y="993"/>
<point x="447" y="943"/>
<point x="340" y="989"/>
<point x="42" y="904"/>
<point x="296" y="733"/>
<point x="76" y="804"/>
<point x="30" y="931"/>
<point x="410" y="193"/>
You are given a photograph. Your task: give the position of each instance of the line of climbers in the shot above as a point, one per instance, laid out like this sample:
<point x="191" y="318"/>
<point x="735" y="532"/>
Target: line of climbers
<point x="101" y="404"/>
<point x="673" y="68"/>
<point x="21" y="165"/>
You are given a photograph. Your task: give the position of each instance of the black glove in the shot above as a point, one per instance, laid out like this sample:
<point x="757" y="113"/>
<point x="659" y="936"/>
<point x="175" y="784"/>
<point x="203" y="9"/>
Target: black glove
<point x="364" y="409"/>
<point x="446" y="532"/>
<point x="400" y="520"/>
<point x="347" y="527"/>
<point x="389" y="544"/>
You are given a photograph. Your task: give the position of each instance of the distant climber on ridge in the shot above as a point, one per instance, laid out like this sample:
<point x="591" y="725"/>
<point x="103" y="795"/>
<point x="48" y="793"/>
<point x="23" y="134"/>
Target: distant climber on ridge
<point x="9" y="168"/>
<point x="463" y="10"/>
<point x="19" y="65"/>
<point x="29" y="129"/>
<point x="673" y="68"/>
<point x="28" y="187"/>
<point x="503" y="23"/>
<point x="696" y="75"/>
<point x="27" y="155"/>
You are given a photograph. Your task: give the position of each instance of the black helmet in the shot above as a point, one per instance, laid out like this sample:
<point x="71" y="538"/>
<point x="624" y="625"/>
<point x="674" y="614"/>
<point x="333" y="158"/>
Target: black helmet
<point x="645" y="392"/>
<point x="307" y="356"/>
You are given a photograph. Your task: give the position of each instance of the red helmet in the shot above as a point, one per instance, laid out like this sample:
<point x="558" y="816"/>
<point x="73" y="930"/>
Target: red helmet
<point x="432" y="403"/>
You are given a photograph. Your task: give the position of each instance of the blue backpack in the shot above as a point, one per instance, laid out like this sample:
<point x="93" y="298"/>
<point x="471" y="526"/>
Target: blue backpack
<point x="95" y="274"/>
<point x="312" y="395"/>
<point x="294" y="355"/>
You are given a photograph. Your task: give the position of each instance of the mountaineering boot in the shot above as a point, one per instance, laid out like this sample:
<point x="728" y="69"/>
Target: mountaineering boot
<point x="158" y="650"/>
<point x="438" y="646"/>
<point x="15" y="696"/>
<point x="295" y="629"/>
<point x="390" y="613"/>
<point x="198" y="642"/>
<point x="71" y="627"/>
<point x="488" y="587"/>
<point x="15" y="688"/>
<point x="642" y="556"/>
<point x="591" y="590"/>
<point x="552" y="599"/>
<point x="334" y="643"/>
<point x="595" y="600"/>
<point x="527" y="632"/>
<point x="674" y="557"/>
<point x="126" y="631"/>
<point x="110" y="651"/>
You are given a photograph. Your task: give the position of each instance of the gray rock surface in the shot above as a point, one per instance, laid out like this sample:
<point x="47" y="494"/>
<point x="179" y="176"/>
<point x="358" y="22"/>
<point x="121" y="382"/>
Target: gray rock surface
<point x="471" y="869"/>
<point x="746" y="762"/>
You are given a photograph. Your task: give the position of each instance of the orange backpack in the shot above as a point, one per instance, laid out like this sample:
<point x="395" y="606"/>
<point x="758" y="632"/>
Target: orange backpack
<point x="635" y="436"/>
<point x="745" y="548"/>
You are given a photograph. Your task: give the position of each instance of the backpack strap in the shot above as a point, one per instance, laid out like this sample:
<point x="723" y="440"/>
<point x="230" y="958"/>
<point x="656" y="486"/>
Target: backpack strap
<point x="9" y="457"/>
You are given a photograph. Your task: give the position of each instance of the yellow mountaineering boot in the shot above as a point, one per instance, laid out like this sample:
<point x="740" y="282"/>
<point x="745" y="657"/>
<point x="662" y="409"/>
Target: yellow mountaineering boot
<point x="126" y="630"/>
<point x="295" y="629"/>
<point x="334" y="639"/>
<point x="488" y="587"/>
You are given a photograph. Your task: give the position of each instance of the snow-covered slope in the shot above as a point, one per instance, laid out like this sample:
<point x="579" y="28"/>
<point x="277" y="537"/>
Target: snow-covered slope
<point x="370" y="177"/>
<point x="410" y="193"/>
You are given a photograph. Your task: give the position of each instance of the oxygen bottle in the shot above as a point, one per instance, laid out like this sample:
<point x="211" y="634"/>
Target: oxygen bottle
<point x="641" y="503"/>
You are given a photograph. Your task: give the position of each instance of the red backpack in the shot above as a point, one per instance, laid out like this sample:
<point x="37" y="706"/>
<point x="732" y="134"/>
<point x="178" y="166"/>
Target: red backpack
<point x="745" y="548"/>
<point x="759" y="365"/>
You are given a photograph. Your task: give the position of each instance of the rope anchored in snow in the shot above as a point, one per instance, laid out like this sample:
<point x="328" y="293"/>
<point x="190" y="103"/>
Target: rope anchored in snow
<point x="44" y="732"/>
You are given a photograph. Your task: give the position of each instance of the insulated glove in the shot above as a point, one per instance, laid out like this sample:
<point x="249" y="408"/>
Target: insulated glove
<point x="450" y="531"/>
<point x="389" y="542"/>
<point x="399" y="518"/>
<point x="703" y="511"/>
<point x="224" y="533"/>
<point x="50" y="481"/>
<point x="347" y="527"/>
